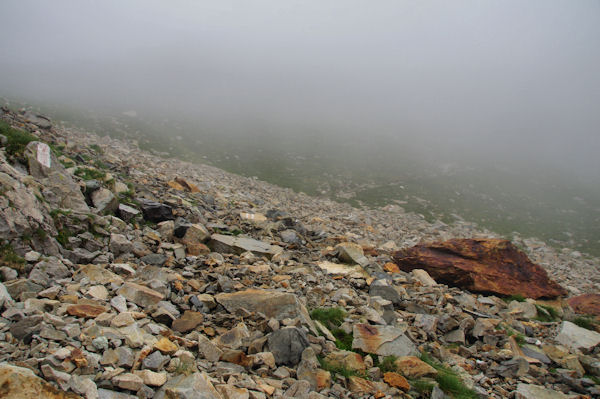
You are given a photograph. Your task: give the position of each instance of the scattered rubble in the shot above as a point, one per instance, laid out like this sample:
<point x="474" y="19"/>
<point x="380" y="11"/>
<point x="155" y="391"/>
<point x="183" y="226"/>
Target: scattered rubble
<point x="125" y="275"/>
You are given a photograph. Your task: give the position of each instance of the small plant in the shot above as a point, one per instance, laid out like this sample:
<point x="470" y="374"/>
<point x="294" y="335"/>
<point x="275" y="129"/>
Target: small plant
<point x="343" y="340"/>
<point x="96" y="148"/>
<point x="63" y="238"/>
<point x="422" y="386"/>
<point x="89" y="174"/>
<point x="41" y="234"/>
<point x="515" y="297"/>
<point x="343" y="371"/>
<point x="329" y="317"/>
<point x="8" y="257"/>
<point x="17" y="140"/>
<point x="449" y="381"/>
<point x="388" y="364"/>
<point x="546" y="313"/>
<point x="587" y="322"/>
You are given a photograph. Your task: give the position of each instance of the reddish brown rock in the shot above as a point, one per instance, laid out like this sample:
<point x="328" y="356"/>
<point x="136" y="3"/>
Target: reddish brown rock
<point x="490" y="266"/>
<point x="86" y="311"/>
<point x="586" y="304"/>
<point x="396" y="380"/>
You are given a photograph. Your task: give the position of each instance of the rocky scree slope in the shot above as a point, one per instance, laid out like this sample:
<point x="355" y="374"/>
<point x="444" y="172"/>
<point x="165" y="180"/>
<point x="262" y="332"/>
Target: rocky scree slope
<point x="128" y="275"/>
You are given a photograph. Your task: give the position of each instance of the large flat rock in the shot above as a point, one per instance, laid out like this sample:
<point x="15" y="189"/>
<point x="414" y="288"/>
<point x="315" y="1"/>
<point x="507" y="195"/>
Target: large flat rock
<point x="273" y="304"/>
<point x="489" y="266"/>
<point x="586" y="304"/>
<point x="575" y="337"/>
<point x="21" y="383"/>
<point x="237" y="245"/>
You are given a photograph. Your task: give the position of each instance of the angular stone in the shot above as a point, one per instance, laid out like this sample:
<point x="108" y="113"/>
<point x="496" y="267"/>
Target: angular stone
<point x="287" y="345"/>
<point x="155" y="361"/>
<point x="383" y="340"/>
<point x="231" y="392"/>
<point x="208" y="350"/>
<point x="155" y="211"/>
<point x="128" y="381"/>
<point x="195" y="234"/>
<point x="308" y="370"/>
<point x="86" y="311"/>
<point x="104" y="201"/>
<point x="107" y="394"/>
<point x="126" y="212"/>
<point x="342" y="270"/>
<point x="575" y="337"/>
<point x="351" y="253"/>
<point x="423" y="277"/>
<point x="21" y="383"/>
<point x="238" y="245"/>
<point x="412" y="367"/>
<point x="397" y="381"/>
<point x="189" y="321"/>
<point x="140" y="295"/>
<point x="480" y="265"/>
<point x="119" y="244"/>
<point x="195" y="386"/>
<point x="97" y="275"/>
<point x="524" y="310"/>
<point x="98" y="292"/>
<point x="151" y="378"/>
<point x="166" y="346"/>
<point x="361" y="386"/>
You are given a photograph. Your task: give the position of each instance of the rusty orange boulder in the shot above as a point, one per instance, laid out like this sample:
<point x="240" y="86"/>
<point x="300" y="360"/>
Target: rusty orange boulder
<point x="489" y="266"/>
<point x="588" y="304"/>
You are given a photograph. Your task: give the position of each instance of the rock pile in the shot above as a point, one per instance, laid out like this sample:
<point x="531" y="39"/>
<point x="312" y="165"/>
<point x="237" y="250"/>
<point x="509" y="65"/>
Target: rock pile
<point x="125" y="275"/>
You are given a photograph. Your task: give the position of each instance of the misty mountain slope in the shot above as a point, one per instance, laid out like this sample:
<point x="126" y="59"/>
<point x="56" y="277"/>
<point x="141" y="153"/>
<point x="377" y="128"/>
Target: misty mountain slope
<point x="516" y="199"/>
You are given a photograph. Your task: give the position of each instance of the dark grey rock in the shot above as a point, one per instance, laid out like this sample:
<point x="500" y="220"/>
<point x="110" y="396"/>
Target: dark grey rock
<point x="154" y="259"/>
<point x="287" y="345"/>
<point x="155" y="361"/>
<point x="155" y="211"/>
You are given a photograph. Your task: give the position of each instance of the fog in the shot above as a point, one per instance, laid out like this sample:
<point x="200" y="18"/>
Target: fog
<point x="494" y="81"/>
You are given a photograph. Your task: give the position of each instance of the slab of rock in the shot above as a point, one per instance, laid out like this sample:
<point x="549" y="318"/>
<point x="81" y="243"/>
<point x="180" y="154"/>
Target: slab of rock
<point x="21" y="383"/>
<point x="530" y="391"/>
<point x="126" y="212"/>
<point x="273" y="304"/>
<point x="195" y="386"/>
<point x="396" y="380"/>
<point x="60" y="190"/>
<point x="588" y="304"/>
<point x="188" y="321"/>
<point x="480" y="265"/>
<point x="238" y="245"/>
<point x="86" y="311"/>
<point x="139" y="294"/>
<point x="119" y="244"/>
<point x="383" y="340"/>
<point x="342" y="270"/>
<point x="575" y="337"/>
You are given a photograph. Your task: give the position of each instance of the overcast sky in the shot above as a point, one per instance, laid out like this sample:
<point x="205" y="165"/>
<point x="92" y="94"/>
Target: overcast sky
<point x="506" y="78"/>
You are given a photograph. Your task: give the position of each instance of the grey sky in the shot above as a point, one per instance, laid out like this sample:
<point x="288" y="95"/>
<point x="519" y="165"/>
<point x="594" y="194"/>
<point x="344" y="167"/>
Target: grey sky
<point x="501" y="78"/>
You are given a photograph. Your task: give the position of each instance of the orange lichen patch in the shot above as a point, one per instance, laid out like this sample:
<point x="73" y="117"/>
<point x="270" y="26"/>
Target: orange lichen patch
<point x="391" y="268"/>
<point x="396" y="380"/>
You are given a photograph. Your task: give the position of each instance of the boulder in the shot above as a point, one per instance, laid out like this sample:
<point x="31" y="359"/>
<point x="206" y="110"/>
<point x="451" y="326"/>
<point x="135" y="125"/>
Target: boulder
<point x="60" y="190"/>
<point x="490" y="266"/>
<point x="530" y="391"/>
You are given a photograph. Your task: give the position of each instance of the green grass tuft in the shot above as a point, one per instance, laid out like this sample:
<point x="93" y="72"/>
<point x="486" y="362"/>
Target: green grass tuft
<point x="546" y="313"/>
<point x="343" y="339"/>
<point x="388" y="364"/>
<point x="515" y="297"/>
<point x="89" y="174"/>
<point x="8" y="257"/>
<point x="343" y="371"/>
<point x="449" y="381"/>
<point x="17" y="140"/>
<point x="329" y="317"/>
<point x="587" y="322"/>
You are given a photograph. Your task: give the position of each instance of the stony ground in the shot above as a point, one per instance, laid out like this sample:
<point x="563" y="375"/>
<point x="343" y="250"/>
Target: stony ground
<point x="125" y="274"/>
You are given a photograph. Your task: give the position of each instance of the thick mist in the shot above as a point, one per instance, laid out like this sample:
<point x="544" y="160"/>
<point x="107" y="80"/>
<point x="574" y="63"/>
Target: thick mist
<point x="507" y="82"/>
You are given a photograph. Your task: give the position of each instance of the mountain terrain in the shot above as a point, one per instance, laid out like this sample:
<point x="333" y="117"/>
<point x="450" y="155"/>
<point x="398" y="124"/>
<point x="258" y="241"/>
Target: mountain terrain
<point x="130" y="274"/>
